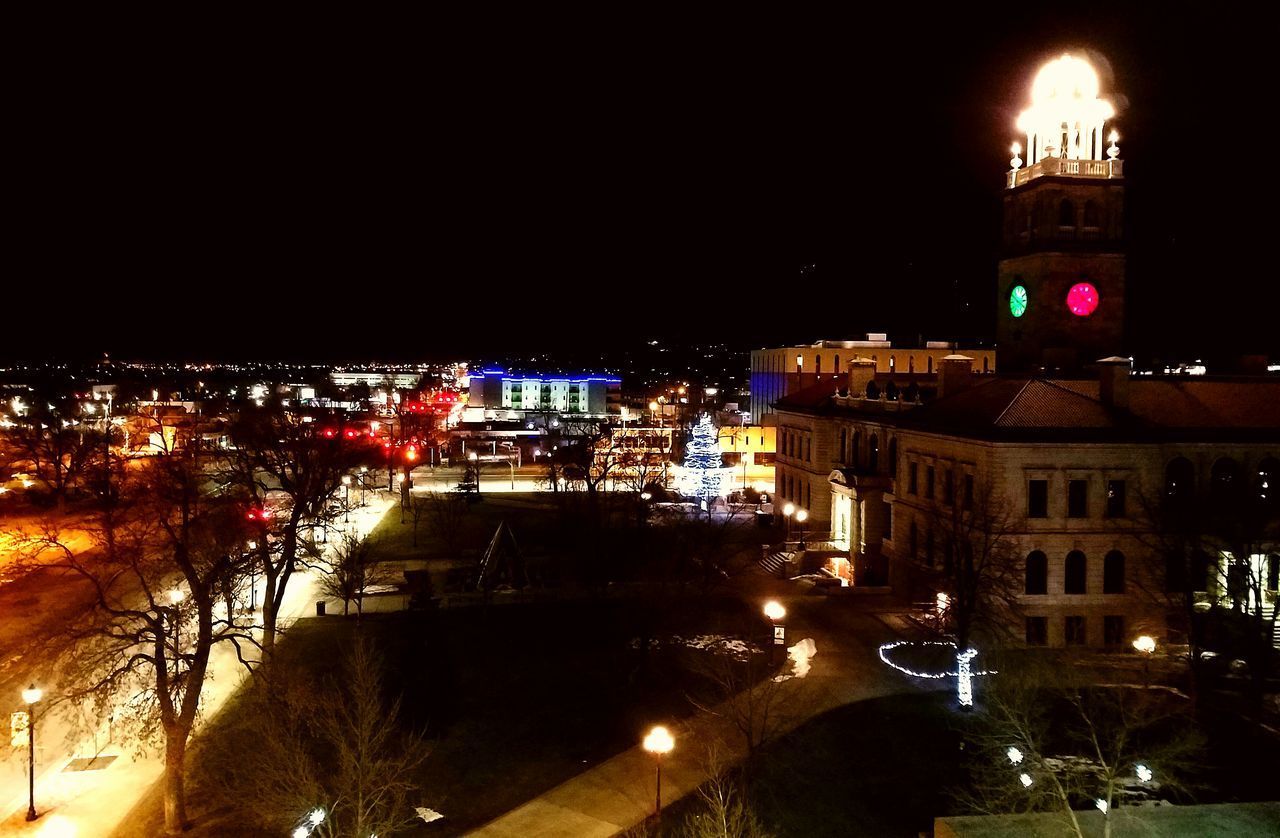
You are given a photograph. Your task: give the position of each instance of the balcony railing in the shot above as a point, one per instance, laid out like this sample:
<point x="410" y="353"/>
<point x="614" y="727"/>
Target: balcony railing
<point x="1095" y="169"/>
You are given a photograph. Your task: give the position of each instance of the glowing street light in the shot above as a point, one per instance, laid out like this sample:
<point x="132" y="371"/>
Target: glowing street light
<point x="787" y="512"/>
<point x="31" y="695"/>
<point x="659" y="742"/>
<point x="776" y="614"/>
<point x="802" y="515"/>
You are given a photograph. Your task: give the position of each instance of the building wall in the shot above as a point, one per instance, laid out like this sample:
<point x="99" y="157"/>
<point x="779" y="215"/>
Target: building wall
<point x="810" y="446"/>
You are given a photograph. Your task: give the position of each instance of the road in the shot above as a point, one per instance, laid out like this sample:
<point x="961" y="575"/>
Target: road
<point x="84" y="803"/>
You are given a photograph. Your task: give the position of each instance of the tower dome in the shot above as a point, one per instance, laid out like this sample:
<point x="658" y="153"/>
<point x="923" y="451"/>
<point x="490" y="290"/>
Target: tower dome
<point x="1067" y="116"/>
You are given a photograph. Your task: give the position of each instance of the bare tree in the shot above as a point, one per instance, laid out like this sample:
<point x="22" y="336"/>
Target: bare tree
<point x="758" y="704"/>
<point x="288" y="470"/>
<point x="1214" y="553"/>
<point x="297" y="746"/>
<point x="1044" y="743"/>
<point x="980" y="571"/>
<point x="445" y="514"/>
<point x="350" y="569"/>
<point x="726" y="810"/>
<point x="164" y="552"/>
<point x="54" y="440"/>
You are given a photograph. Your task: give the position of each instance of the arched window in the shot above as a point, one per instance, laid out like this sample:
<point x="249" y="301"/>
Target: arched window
<point x="1037" y="573"/>
<point x="911" y="363"/>
<point x="873" y="390"/>
<point x="1268" y="489"/>
<point x="986" y="363"/>
<point x="1074" y="578"/>
<point x="893" y="457"/>
<point x="1113" y="573"/>
<point x="1066" y="214"/>
<point x="1226" y="481"/>
<point x="1179" y="481"/>
<point x="836" y="365"/>
<point x="893" y="363"/>
<point x="817" y="363"/>
<point x="1092" y="215"/>
<point x="856" y="454"/>
<point x="844" y="443"/>
<point x="891" y="391"/>
<point x="930" y="364"/>
<point x="873" y="454"/>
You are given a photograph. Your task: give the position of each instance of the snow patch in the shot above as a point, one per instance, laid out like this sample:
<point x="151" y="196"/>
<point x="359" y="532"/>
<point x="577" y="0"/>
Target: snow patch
<point x="428" y="815"/>
<point x="799" y="655"/>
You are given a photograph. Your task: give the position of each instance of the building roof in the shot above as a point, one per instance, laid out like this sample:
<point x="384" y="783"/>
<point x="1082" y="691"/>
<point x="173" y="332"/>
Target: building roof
<point x="1222" y="819"/>
<point x="1005" y="407"/>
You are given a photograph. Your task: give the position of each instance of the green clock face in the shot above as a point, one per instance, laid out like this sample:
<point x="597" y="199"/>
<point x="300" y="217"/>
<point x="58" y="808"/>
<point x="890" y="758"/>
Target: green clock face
<point x="1018" y="300"/>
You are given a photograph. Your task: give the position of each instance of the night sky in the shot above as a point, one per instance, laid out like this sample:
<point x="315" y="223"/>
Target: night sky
<point x="424" y="187"/>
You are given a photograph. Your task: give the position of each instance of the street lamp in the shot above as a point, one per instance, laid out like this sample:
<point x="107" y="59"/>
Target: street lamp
<point x="1146" y="644"/>
<point x="787" y="512"/>
<point x="776" y="614"/>
<point x="346" y="500"/>
<point x="363" y="480"/>
<point x="659" y="742"/>
<point x="802" y="515"/>
<point x="31" y="695"/>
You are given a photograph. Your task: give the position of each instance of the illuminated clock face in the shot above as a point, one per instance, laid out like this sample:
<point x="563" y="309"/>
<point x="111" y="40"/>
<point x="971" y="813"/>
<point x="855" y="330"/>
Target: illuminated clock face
<point x="1082" y="299"/>
<point x="1018" y="300"/>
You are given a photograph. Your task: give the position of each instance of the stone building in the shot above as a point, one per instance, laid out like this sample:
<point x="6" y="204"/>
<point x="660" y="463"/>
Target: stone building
<point x="1069" y="453"/>
<point x="781" y="371"/>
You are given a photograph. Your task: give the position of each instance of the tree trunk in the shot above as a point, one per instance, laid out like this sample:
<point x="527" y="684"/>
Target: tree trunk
<point x="175" y="794"/>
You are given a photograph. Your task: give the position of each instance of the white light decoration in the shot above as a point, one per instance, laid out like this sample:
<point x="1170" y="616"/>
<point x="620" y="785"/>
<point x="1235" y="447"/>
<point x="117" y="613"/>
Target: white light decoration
<point x="1144" y="772"/>
<point x="1066" y="117"/>
<point x="301" y="832"/>
<point x="1026" y="779"/>
<point x="701" y="477"/>
<point x="1102" y="805"/>
<point x="964" y="671"/>
<point x="316" y="817"/>
<point x="1015" y="756"/>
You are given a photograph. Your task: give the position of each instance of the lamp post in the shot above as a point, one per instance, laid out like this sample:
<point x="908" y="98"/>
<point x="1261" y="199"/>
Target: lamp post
<point x="31" y="695"/>
<point x="475" y="468"/>
<point x="659" y="742"/>
<point x="363" y="480"/>
<point x="787" y="512"/>
<point x="776" y="614"/>
<point x="346" y="499"/>
<point x="1146" y="644"/>
<point x="802" y="515"/>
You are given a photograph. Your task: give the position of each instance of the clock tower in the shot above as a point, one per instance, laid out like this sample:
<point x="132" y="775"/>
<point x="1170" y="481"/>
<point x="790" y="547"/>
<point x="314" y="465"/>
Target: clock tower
<point x="1060" y="298"/>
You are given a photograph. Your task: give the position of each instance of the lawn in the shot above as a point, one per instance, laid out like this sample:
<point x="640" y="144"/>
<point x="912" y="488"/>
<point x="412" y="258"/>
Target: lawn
<point x="515" y="698"/>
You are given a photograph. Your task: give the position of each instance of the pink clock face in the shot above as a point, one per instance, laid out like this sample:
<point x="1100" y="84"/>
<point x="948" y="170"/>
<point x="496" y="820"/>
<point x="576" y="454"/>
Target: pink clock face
<point x="1082" y="299"/>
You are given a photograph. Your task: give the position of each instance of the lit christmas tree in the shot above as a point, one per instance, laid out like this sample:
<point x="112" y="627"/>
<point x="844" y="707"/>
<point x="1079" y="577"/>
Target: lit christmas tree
<point x="702" y="462"/>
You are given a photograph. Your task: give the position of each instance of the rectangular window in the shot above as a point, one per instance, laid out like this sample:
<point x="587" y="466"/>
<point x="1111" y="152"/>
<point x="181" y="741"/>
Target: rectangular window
<point x="1113" y="630"/>
<point x="1037" y="631"/>
<point x="1115" y="498"/>
<point x="928" y="482"/>
<point x="948" y="486"/>
<point x="912" y="482"/>
<point x="968" y="492"/>
<point x="1075" y="631"/>
<point x="1038" y="499"/>
<point x="1077" y="498"/>
<point x="808" y="449"/>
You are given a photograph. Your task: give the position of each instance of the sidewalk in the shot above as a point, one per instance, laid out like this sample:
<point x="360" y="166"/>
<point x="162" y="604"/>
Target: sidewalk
<point x="619" y="793"/>
<point x="92" y="803"/>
